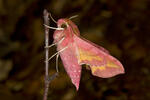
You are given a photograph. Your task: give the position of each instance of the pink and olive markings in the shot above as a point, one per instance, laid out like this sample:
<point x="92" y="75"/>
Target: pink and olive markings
<point x="97" y="58"/>
<point x="76" y="51"/>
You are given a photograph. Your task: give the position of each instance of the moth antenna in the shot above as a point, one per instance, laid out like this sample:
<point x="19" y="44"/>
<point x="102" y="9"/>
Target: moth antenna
<point x="57" y="56"/>
<point x="53" y="27"/>
<point x="73" y="17"/>
<point x="57" y="53"/>
<point x="53" y="19"/>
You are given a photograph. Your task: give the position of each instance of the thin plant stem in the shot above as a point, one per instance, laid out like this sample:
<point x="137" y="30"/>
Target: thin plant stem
<point x="46" y="22"/>
<point x="48" y="78"/>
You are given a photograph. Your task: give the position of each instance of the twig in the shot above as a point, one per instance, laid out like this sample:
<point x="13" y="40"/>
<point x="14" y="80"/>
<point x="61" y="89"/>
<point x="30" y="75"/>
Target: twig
<point x="46" y="22"/>
<point x="48" y="78"/>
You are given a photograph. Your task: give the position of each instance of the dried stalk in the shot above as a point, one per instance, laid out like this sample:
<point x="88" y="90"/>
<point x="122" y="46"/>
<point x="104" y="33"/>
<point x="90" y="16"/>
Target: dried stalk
<point x="48" y="78"/>
<point x="46" y="22"/>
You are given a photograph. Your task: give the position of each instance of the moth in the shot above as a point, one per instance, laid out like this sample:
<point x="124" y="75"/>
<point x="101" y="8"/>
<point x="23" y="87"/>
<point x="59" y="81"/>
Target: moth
<point x="75" y="51"/>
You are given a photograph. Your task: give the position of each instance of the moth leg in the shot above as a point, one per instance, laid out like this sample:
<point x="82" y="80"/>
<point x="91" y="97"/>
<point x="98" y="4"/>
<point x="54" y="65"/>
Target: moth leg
<point x="50" y="45"/>
<point x="55" y="28"/>
<point x="57" y="71"/>
<point x="57" y="56"/>
<point x="57" y="53"/>
<point x="55" y="43"/>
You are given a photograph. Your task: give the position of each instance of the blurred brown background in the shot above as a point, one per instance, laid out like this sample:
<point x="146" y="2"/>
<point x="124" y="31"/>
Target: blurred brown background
<point x="121" y="26"/>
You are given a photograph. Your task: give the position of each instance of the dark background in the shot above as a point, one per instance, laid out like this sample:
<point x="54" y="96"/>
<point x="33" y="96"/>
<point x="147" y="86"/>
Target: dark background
<point x="121" y="26"/>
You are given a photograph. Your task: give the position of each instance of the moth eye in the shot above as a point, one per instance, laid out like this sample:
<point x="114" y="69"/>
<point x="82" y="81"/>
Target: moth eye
<point x="63" y="26"/>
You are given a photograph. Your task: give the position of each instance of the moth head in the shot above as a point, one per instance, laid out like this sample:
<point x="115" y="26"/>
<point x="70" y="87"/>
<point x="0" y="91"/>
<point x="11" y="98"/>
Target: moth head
<point x="62" y="23"/>
<point x="60" y="34"/>
<point x="69" y="28"/>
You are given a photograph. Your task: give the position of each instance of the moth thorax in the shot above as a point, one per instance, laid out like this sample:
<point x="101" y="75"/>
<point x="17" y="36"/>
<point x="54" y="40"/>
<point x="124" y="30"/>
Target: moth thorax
<point x="58" y="35"/>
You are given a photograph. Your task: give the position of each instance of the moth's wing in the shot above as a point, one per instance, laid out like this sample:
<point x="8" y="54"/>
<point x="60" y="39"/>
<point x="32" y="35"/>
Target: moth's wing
<point x="71" y="65"/>
<point x="95" y="45"/>
<point x="102" y="64"/>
